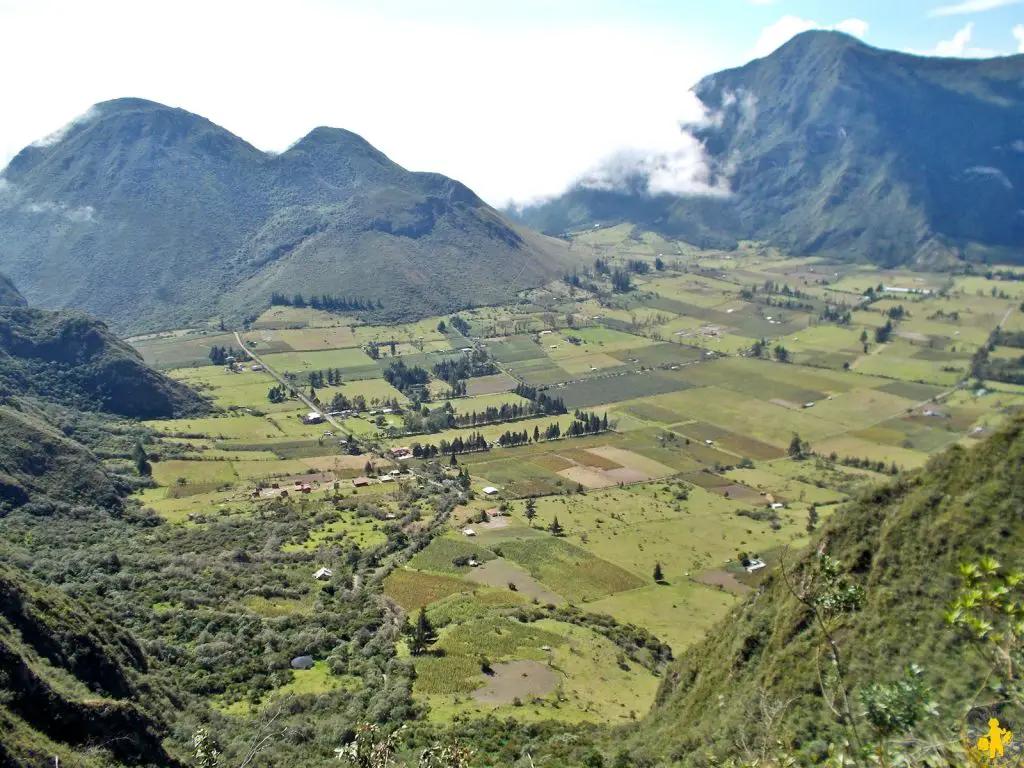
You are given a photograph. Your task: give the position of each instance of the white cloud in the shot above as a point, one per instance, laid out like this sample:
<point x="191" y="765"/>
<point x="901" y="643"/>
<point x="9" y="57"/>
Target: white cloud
<point x="511" y="108"/>
<point x="1018" y="32"/>
<point x="56" y="136"/>
<point x="782" y="31"/>
<point x="971" y="6"/>
<point x="959" y="46"/>
<point x="80" y="214"/>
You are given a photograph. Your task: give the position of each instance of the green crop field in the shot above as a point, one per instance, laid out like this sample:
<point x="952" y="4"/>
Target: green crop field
<point x="569" y="570"/>
<point x="297" y="362"/>
<point x="181" y="350"/>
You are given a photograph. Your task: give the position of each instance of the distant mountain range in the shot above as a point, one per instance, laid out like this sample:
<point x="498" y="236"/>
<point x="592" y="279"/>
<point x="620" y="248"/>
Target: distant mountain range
<point x="829" y="146"/>
<point x="152" y="217"/>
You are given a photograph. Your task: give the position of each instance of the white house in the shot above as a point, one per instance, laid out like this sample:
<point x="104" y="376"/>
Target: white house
<point x="755" y="565"/>
<point x="313" y="418"/>
<point x="468" y="532"/>
<point x="323" y="574"/>
<point x="490" y="490"/>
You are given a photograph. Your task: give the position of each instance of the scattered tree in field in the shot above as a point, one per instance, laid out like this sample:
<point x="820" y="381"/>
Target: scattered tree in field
<point x="423" y="634"/>
<point x="798" y="449"/>
<point x="441" y="327"/>
<point x="531" y="511"/>
<point x="277" y="394"/>
<point x="659" y="575"/>
<point x="659" y="264"/>
<point x="142" y="465"/>
<point x="781" y="353"/>
<point x="883" y="334"/>
<point x="368" y="468"/>
<point x="556" y="528"/>
<point x="812" y="518"/>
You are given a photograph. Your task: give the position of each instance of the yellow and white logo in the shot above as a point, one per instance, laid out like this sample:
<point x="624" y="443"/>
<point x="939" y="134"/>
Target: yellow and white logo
<point x="994" y="742"/>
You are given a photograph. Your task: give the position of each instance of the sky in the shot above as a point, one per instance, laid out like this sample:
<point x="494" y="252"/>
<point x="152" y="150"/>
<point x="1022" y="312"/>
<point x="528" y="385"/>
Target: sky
<point x="517" y="98"/>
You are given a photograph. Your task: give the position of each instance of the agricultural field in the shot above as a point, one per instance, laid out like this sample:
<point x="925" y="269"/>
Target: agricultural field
<point x="747" y="397"/>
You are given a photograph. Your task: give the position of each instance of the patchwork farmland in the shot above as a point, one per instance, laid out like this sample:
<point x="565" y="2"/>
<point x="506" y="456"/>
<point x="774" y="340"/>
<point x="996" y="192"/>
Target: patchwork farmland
<point x="542" y="459"/>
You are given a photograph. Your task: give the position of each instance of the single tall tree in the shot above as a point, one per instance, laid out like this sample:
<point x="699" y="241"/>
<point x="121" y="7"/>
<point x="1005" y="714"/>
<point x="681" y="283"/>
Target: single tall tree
<point x="659" y="575"/>
<point x="556" y="527"/>
<point x="142" y="465"/>
<point x="423" y="635"/>
<point x="530" y="511"/>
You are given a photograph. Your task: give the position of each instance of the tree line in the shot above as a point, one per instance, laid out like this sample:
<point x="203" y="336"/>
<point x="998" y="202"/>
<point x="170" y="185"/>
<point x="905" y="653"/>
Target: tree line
<point x="220" y="355"/>
<point x="455" y="369"/>
<point x="406" y="378"/>
<point x="326" y="302"/>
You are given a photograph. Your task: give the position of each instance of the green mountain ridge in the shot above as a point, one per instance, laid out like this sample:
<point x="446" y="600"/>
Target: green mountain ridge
<point x="832" y="147"/>
<point x="55" y="369"/>
<point x="902" y="543"/>
<point x="152" y="217"/>
<point x="69" y="358"/>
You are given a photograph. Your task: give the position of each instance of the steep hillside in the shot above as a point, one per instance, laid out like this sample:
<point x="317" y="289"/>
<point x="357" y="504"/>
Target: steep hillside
<point x="70" y="684"/>
<point x="902" y="544"/>
<point x="831" y="146"/>
<point x="10" y="296"/>
<point x="39" y="463"/>
<point x="73" y="360"/>
<point x="148" y="216"/>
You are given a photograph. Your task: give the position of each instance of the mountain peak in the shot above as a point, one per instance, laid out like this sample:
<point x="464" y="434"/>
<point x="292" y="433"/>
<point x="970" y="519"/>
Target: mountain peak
<point x="127" y="104"/>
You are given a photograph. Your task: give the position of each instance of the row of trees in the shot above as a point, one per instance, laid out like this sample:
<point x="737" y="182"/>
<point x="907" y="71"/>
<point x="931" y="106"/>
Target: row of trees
<point x="406" y="378"/>
<point x="279" y="393"/>
<point x="329" y="377"/>
<point x="455" y="369"/>
<point x="471" y="444"/>
<point x="839" y="315"/>
<point x="459" y="324"/>
<point x="505" y="412"/>
<point x="326" y="302"/>
<point x="220" y="355"/>
<point x="760" y="348"/>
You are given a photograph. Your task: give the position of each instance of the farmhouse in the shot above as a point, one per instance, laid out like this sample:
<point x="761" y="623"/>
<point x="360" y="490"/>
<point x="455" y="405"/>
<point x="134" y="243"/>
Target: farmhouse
<point x="360" y="482"/>
<point x="755" y="564"/>
<point x="777" y="505"/>
<point x="323" y="574"/>
<point x="468" y="532"/>
<point x="490" y="490"/>
<point x="313" y="418"/>
<point x="401" y="453"/>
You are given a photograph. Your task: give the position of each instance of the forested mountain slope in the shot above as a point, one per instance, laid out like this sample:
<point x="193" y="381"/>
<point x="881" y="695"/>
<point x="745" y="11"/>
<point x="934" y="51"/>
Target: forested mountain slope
<point x="830" y="146"/>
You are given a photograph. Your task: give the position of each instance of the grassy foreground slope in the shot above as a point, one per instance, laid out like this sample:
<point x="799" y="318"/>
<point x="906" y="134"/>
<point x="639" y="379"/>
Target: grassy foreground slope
<point x="902" y="543"/>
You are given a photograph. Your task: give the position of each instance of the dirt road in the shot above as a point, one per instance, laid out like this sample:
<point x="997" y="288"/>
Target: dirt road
<point x="313" y="407"/>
